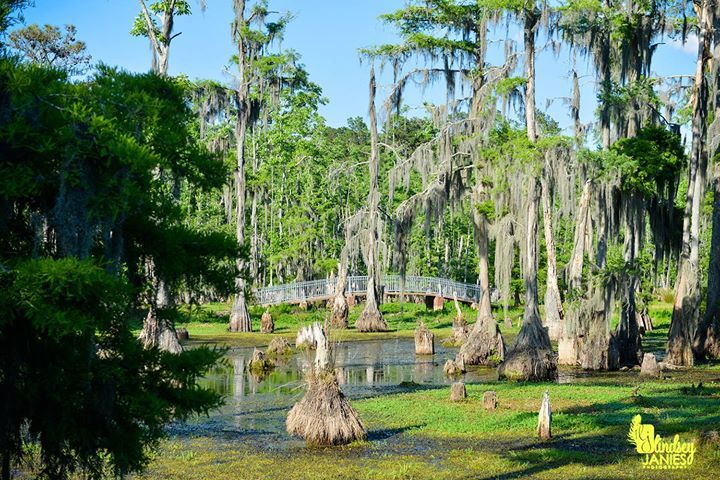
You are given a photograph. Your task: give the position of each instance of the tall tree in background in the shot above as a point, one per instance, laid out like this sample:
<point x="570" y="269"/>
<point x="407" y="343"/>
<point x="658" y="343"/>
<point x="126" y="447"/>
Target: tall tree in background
<point x="51" y="47"/>
<point x="239" y="316"/>
<point x="158" y="27"/>
<point x="706" y="344"/>
<point x="449" y="38"/>
<point x="371" y="319"/>
<point x="531" y="356"/>
<point x="253" y="34"/>
<point x="687" y="296"/>
<point x="157" y="22"/>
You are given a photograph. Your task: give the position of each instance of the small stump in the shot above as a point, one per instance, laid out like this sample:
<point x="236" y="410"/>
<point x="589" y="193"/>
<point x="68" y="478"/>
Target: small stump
<point x="490" y="400"/>
<point x="460" y="362"/>
<point x="452" y="369"/>
<point x="424" y="341"/>
<point x="650" y="367"/>
<point x="303" y="306"/>
<point x="544" y="429"/>
<point x="259" y="364"/>
<point x="351" y="301"/>
<point x="711" y="438"/>
<point x="307" y="337"/>
<point x="182" y="334"/>
<point x="458" y="392"/>
<point x="278" y="347"/>
<point x="266" y="323"/>
<point x="438" y="304"/>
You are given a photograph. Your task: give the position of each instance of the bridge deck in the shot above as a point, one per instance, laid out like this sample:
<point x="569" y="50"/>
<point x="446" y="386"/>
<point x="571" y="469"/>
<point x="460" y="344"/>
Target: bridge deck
<point x="317" y="290"/>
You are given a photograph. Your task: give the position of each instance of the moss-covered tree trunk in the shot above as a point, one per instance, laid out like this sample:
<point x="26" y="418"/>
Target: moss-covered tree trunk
<point x="157" y="332"/>
<point x="706" y="344"/>
<point x="239" y="315"/>
<point x="371" y="319"/>
<point x="553" y="302"/>
<point x="627" y="332"/>
<point x="531" y="356"/>
<point x="485" y="344"/>
<point x="687" y="299"/>
<point x="531" y="17"/>
<point x="340" y="308"/>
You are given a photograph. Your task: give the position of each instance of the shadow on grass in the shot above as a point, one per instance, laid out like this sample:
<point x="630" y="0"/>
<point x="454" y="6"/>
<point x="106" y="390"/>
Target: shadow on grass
<point x="539" y="457"/>
<point x="671" y="413"/>
<point x="384" y="434"/>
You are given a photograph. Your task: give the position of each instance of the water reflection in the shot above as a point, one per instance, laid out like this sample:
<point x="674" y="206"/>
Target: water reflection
<point x="360" y="366"/>
<point x="255" y="407"/>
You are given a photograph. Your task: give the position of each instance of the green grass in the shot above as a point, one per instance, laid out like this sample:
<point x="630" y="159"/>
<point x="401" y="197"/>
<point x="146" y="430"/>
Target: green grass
<point x="445" y="440"/>
<point x="208" y="323"/>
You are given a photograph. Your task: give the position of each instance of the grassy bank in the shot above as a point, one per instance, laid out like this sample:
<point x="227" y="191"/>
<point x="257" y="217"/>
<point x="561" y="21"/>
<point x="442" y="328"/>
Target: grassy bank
<point x="420" y="434"/>
<point x="208" y="323"/>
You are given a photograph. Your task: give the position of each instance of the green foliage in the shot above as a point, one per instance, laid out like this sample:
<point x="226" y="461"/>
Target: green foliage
<point x="89" y="172"/>
<point x="508" y="85"/>
<point x="72" y="373"/>
<point x="157" y="9"/>
<point x="10" y="14"/>
<point x="649" y="161"/>
<point x="50" y="47"/>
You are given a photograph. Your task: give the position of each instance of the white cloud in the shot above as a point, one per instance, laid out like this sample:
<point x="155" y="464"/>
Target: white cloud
<point x="690" y="46"/>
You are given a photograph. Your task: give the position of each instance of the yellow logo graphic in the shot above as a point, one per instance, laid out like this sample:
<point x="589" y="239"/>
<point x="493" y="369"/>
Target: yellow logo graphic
<point x="660" y="454"/>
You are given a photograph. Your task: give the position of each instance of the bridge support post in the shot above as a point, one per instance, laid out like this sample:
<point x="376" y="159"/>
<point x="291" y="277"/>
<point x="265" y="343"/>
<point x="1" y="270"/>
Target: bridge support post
<point x="429" y="301"/>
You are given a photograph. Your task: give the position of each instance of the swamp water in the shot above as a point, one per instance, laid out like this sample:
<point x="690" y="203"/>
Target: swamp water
<point x="255" y="408"/>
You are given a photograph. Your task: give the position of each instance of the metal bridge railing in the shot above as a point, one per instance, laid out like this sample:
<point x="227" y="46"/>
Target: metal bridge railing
<point x="314" y="290"/>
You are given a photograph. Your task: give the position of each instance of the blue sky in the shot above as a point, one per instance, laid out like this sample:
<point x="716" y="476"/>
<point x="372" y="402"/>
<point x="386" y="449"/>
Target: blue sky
<point x="326" y="33"/>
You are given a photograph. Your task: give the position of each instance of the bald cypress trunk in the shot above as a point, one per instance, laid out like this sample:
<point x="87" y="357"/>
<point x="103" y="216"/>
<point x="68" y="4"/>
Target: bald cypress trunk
<point x="159" y="332"/>
<point x="531" y="18"/>
<point x="687" y="299"/>
<point x="239" y="316"/>
<point x="706" y="344"/>
<point x="605" y="86"/>
<point x="627" y="332"/>
<point x="371" y="319"/>
<point x="531" y="356"/>
<point x="553" y="302"/>
<point x="340" y="308"/>
<point x="568" y="344"/>
<point x="485" y="344"/>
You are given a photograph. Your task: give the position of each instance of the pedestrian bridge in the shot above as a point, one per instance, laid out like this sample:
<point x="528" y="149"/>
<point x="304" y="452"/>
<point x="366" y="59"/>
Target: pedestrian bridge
<point x="318" y="290"/>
